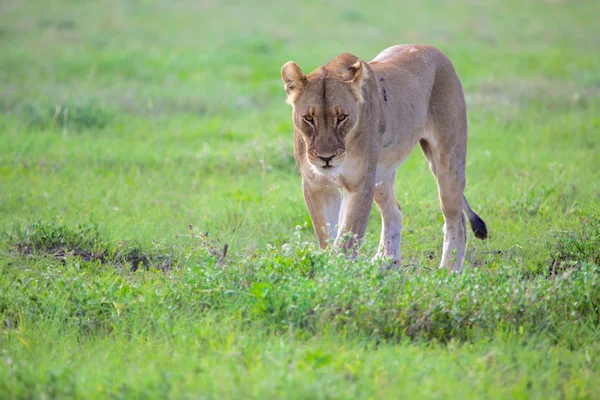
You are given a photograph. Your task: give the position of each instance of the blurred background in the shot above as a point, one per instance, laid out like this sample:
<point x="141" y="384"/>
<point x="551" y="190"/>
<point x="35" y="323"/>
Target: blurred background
<point x="147" y="116"/>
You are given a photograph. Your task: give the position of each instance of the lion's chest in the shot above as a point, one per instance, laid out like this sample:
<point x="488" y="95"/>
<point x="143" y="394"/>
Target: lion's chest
<point x="346" y="176"/>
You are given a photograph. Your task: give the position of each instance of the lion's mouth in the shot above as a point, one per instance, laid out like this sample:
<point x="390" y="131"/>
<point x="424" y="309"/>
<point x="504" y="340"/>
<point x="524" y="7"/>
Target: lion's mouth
<point x="327" y="166"/>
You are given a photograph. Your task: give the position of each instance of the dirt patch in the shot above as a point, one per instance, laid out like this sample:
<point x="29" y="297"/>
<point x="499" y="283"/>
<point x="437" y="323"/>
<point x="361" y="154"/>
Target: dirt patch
<point x="85" y="243"/>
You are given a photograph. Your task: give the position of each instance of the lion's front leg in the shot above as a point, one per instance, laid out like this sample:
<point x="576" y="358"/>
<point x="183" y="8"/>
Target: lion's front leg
<point x="355" y="215"/>
<point x="323" y="203"/>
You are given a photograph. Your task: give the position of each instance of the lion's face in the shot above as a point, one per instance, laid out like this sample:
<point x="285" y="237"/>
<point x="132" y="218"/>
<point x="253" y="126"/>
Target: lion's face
<point x="325" y="110"/>
<point x="324" y="113"/>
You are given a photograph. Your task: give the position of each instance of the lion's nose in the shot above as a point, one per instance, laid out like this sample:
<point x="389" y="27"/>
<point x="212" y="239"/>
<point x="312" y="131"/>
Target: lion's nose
<point x="326" y="159"/>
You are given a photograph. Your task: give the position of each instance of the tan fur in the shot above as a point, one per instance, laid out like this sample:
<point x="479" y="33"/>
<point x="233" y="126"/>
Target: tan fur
<point x="361" y="121"/>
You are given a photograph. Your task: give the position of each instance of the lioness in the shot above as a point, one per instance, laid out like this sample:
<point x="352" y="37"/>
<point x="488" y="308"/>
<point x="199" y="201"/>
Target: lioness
<point x="356" y="122"/>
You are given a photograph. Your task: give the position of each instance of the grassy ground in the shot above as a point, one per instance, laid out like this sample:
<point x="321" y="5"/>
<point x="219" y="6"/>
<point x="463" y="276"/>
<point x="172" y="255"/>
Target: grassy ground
<point x="155" y="243"/>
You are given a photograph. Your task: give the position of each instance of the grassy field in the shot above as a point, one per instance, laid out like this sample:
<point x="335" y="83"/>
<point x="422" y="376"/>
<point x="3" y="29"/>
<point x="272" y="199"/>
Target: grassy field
<point x="155" y="243"/>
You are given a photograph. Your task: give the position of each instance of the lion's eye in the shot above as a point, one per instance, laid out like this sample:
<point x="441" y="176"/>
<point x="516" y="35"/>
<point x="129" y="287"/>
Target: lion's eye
<point x="308" y="118"/>
<point x="342" y="117"/>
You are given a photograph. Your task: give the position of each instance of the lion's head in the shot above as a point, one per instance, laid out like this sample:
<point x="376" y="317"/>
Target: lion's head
<point x="326" y="107"/>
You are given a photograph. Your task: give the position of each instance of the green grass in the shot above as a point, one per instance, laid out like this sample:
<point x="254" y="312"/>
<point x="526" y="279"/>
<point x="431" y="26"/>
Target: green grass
<point x="154" y="239"/>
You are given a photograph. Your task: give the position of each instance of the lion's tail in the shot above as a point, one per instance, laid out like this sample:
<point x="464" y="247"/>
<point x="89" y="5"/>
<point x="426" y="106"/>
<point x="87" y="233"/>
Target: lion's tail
<point x="477" y="224"/>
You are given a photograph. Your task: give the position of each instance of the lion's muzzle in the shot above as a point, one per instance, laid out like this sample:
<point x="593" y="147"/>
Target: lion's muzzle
<point x="326" y="161"/>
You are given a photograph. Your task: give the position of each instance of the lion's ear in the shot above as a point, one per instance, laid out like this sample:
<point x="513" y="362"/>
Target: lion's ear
<point x="294" y="80"/>
<point x="356" y="76"/>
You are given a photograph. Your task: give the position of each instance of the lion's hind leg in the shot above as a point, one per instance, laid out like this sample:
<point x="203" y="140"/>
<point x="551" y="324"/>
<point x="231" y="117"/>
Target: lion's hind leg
<point x="391" y="220"/>
<point x="447" y="163"/>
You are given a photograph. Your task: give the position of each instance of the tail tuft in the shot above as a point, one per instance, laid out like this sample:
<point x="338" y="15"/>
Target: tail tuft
<point x="478" y="226"/>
